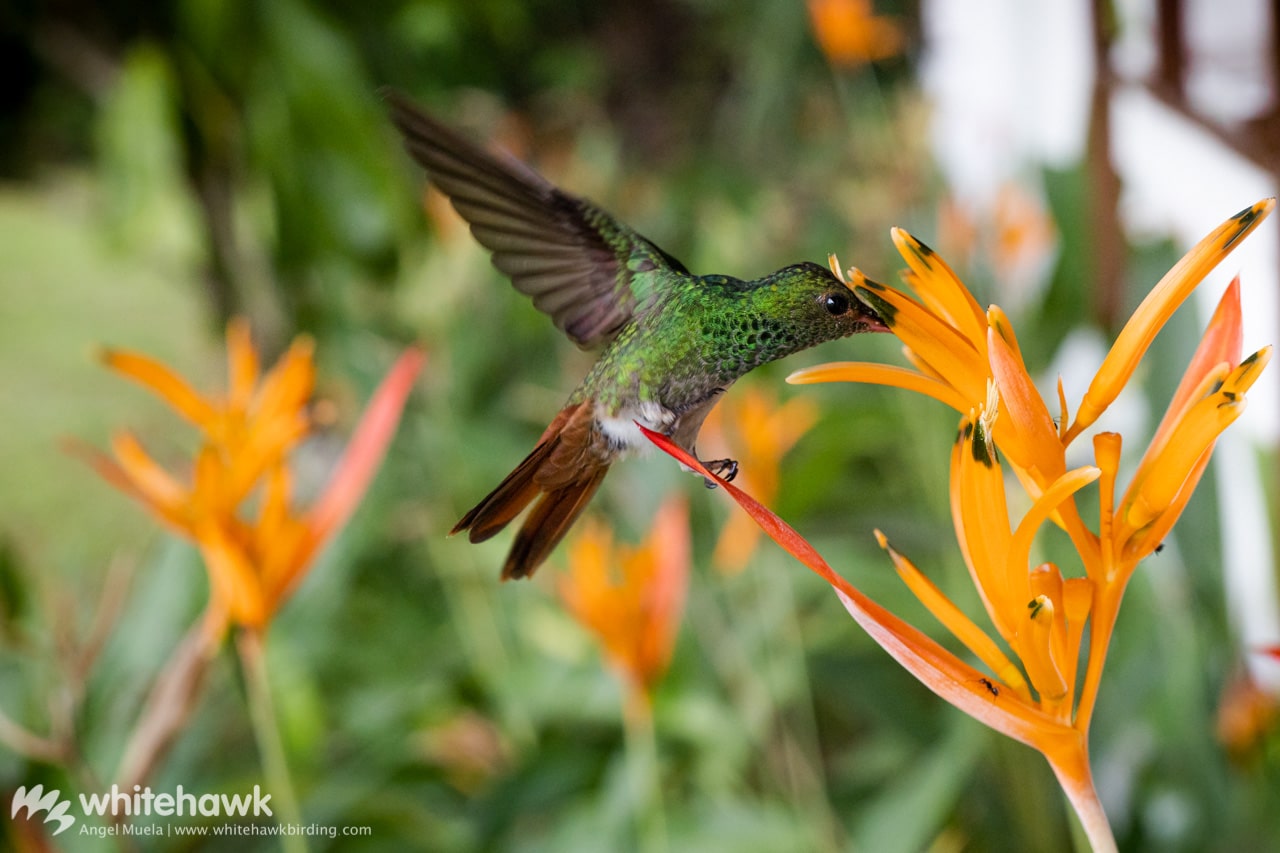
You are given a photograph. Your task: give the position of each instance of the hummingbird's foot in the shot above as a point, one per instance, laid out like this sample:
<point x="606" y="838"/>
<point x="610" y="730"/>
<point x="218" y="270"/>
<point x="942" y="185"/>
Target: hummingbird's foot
<point x="725" y="469"/>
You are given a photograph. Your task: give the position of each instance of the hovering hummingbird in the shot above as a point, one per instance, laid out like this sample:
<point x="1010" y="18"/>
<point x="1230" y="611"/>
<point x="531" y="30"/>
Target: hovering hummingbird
<point x="670" y="342"/>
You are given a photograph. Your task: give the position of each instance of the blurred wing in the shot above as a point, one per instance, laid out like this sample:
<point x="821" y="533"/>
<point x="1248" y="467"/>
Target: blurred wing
<point x="577" y="262"/>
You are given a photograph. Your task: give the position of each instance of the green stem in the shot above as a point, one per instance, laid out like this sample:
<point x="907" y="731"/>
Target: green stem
<point x="805" y="780"/>
<point x="275" y="767"/>
<point x="642" y="760"/>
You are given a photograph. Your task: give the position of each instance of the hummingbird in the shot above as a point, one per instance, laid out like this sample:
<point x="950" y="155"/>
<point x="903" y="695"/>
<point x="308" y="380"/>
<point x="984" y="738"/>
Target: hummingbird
<point x="670" y="342"/>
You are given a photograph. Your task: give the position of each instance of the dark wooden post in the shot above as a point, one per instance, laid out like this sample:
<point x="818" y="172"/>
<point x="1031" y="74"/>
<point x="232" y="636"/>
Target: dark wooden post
<point x="1104" y="182"/>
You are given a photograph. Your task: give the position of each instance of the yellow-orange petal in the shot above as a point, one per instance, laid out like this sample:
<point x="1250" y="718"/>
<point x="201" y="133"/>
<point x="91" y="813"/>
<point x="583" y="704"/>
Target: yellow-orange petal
<point x="834" y="263"/>
<point x="274" y="511"/>
<point x="209" y="486"/>
<point x="920" y="364"/>
<point x="1170" y="470"/>
<point x="785" y="425"/>
<point x="940" y="288"/>
<point x="1077" y="603"/>
<point x="1157" y="307"/>
<point x="281" y="552"/>
<point x="266" y="445"/>
<point x="1123" y="541"/>
<point x="1046" y="581"/>
<point x="998" y="321"/>
<point x="668" y="548"/>
<point x="735" y="545"/>
<point x="1026" y="432"/>
<point x="584" y="587"/>
<point x="166" y="384"/>
<point x="1145" y="541"/>
<point x="1063" y="412"/>
<point x="881" y="374"/>
<point x="1243" y="377"/>
<point x="980" y="515"/>
<point x="242" y="364"/>
<point x="849" y="34"/>
<point x="939" y="344"/>
<point x="1218" y="351"/>
<point x="232" y="577"/>
<point x="1222" y="341"/>
<point x="1077" y="599"/>
<point x="954" y="619"/>
<point x="1106" y="456"/>
<point x="1162" y="476"/>
<point x="288" y="384"/>
<point x="1036" y="646"/>
<point x="155" y="486"/>
<point x="1207" y="387"/>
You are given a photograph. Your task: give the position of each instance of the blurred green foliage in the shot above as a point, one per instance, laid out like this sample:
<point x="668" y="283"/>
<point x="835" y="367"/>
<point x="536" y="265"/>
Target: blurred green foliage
<point x="170" y="164"/>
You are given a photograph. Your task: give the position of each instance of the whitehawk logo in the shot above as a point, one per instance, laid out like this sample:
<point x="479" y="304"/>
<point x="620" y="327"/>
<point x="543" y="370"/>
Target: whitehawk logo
<point x="36" y="800"/>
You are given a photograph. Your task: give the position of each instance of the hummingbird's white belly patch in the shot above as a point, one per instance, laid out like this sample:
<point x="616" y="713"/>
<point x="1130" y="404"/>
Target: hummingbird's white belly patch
<point x="620" y="426"/>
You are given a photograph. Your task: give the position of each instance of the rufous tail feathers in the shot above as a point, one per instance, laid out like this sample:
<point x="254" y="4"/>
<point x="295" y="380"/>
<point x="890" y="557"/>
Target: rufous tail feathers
<point x="563" y="471"/>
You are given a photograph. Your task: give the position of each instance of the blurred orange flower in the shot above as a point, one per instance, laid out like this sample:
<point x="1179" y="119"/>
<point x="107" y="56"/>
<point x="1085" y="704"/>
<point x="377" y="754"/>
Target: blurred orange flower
<point x="760" y="432"/>
<point x="1247" y="714"/>
<point x="1014" y="233"/>
<point x="1024" y="232"/>
<point x="970" y="360"/>
<point x="631" y="598"/>
<point x="850" y="33"/>
<point x="255" y="552"/>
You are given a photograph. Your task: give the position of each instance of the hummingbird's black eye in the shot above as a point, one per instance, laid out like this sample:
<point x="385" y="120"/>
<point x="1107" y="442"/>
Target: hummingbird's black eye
<point x="835" y="303"/>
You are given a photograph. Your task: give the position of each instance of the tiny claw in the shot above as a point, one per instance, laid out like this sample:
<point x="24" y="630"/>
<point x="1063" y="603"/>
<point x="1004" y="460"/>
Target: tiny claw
<point x="725" y="469"/>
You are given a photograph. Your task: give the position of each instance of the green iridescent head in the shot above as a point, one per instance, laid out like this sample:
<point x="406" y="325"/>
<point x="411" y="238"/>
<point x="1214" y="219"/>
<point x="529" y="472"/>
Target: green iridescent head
<point x="815" y="303"/>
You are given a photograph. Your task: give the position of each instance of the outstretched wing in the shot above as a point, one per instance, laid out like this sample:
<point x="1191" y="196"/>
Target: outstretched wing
<point x="576" y="261"/>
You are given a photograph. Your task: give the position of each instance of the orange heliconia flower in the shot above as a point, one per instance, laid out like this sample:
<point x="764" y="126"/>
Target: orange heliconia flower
<point x="237" y="507"/>
<point x="631" y="598"/>
<point x="1247" y="715"/>
<point x="850" y="33"/>
<point x="1035" y="687"/>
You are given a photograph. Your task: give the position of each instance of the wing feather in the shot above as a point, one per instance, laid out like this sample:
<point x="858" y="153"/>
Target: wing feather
<point x="571" y="257"/>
